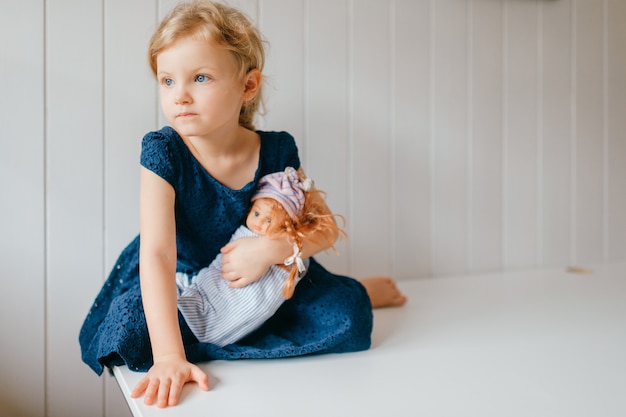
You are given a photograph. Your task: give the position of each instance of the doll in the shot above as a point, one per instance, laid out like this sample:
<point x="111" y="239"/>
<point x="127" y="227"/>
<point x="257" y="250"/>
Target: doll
<point x="219" y="314"/>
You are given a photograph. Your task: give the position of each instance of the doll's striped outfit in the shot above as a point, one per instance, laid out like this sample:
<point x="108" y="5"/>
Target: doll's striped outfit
<point x="219" y="314"/>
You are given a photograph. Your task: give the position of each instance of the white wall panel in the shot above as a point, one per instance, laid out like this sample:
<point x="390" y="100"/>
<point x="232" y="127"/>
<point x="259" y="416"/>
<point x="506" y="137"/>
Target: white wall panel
<point x="249" y="7"/>
<point x="555" y="133"/>
<point x="520" y="141"/>
<point x="411" y="140"/>
<point x="326" y="152"/>
<point x="282" y="22"/>
<point x="589" y="131"/>
<point x="615" y="85"/>
<point x="484" y="153"/>
<point x="74" y="194"/>
<point x="450" y="121"/>
<point x="130" y="110"/>
<point x="370" y="148"/>
<point x="22" y="209"/>
<point x="163" y="8"/>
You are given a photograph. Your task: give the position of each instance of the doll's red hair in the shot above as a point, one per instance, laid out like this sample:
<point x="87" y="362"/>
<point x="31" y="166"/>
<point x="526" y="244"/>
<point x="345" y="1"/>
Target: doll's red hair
<point x="313" y="222"/>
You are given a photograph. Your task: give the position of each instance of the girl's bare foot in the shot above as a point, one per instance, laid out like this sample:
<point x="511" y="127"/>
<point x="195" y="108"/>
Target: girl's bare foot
<point x="383" y="292"/>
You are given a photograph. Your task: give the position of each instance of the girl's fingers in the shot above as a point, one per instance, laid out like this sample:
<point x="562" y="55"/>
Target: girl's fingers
<point x="238" y="283"/>
<point x="201" y="378"/>
<point x="140" y="388"/>
<point x="175" y="389"/>
<point x="164" y="393"/>
<point x="228" y="247"/>
<point x="151" y="392"/>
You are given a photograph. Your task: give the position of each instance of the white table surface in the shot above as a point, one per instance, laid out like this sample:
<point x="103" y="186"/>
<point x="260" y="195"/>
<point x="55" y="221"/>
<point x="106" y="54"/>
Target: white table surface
<point x="531" y="343"/>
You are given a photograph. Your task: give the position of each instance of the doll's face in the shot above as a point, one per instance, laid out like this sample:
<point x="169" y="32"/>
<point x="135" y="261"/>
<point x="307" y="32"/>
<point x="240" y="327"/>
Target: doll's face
<point x="260" y="216"/>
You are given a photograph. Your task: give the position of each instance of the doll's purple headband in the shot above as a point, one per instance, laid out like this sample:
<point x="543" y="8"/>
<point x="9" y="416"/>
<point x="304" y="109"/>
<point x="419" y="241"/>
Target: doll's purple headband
<point x="286" y="188"/>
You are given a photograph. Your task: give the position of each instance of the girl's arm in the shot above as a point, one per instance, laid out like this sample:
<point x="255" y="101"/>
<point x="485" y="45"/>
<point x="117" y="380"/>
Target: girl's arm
<point x="245" y="260"/>
<point x="171" y="370"/>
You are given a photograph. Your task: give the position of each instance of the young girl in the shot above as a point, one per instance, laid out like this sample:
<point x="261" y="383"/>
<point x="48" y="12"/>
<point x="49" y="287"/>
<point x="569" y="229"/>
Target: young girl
<point x="283" y="207"/>
<point x="197" y="179"/>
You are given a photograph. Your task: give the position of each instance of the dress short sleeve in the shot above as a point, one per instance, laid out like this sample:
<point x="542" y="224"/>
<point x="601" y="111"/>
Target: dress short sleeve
<point x="158" y="155"/>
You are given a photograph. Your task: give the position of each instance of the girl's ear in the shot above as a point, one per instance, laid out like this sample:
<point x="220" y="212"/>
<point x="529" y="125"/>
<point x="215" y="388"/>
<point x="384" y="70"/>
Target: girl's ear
<point x="252" y="85"/>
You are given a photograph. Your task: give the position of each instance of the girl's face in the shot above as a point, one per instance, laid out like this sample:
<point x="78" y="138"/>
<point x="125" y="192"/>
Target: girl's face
<point x="201" y="93"/>
<point x="260" y="217"/>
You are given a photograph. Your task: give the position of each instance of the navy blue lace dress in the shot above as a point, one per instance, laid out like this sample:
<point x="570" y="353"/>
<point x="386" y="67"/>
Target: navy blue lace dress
<point x="327" y="314"/>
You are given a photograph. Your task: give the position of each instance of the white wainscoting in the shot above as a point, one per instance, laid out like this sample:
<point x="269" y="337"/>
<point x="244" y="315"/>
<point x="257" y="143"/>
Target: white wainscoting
<point x="457" y="136"/>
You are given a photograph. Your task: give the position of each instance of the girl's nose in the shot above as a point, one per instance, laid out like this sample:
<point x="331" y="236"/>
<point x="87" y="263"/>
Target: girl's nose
<point x="182" y="95"/>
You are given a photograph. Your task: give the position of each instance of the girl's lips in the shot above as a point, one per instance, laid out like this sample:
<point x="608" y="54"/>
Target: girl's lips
<point x="185" y="114"/>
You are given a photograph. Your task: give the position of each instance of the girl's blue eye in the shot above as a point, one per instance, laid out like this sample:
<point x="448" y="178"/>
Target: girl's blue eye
<point x="256" y="214"/>
<point x="168" y="82"/>
<point x="268" y="220"/>
<point x="202" y="78"/>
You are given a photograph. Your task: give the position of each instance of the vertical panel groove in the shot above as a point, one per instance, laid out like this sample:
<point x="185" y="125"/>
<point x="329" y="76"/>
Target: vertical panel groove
<point x="470" y="137"/>
<point x="46" y="236"/>
<point x="306" y="78"/>
<point x="103" y="387"/>
<point x="605" y="128"/>
<point x="540" y="138"/>
<point x="573" y="75"/>
<point x="105" y="99"/>
<point x="431" y="98"/>
<point x="505" y="77"/>
<point x="350" y="124"/>
<point x="392" y="132"/>
<point x="103" y="183"/>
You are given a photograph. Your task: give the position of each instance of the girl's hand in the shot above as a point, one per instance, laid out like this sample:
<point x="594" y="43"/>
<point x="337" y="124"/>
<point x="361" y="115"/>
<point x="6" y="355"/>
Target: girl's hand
<point x="245" y="260"/>
<point x="165" y="380"/>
